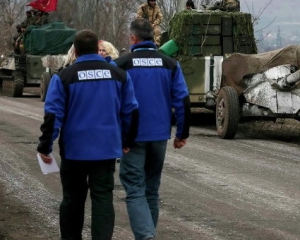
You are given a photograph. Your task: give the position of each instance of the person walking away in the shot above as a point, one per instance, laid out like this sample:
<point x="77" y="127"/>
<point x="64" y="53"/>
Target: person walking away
<point x="107" y="51"/>
<point x="91" y="106"/>
<point x="152" y="12"/>
<point x="159" y="86"/>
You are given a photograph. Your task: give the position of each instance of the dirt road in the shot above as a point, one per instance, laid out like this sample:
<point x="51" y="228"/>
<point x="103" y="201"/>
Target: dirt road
<point x="246" y="188"/>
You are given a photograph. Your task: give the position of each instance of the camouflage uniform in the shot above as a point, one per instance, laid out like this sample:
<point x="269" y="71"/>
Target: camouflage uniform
<point x="231" y="5"/>
<point x="45" y="18"/>
<point x="154" y="15"/>
<point x="28" y="19"/>
<point x="38" y="19"/>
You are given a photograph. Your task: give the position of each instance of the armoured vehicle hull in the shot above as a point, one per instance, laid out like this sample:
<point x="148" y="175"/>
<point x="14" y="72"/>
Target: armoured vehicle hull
<point x="26" y="69"/>
<point x="20" y="71"/>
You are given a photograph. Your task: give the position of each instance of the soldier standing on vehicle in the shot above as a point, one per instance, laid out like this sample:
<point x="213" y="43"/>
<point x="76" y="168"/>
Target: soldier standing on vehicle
<point x="19" y="44"/>
<point x="33" y="19"/>
<point x="152" y="12"/>
<point x="230" y="5"/>
<point x="44" y="18"/>
<point x="28" y="18"/>
<point x="189" y="5"/>
<point x="38" y="18"/>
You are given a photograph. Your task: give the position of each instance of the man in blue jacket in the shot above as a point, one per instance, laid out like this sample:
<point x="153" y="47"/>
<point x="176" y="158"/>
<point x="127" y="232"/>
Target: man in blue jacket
<point x="91" y="105"/>
<point x="159" y="86"/>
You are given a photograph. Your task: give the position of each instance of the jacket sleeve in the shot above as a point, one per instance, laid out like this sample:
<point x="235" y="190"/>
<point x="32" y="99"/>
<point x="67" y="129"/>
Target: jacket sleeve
<point x="140" y="13"/>
<point x="54" y="109"/>
<point x="129" y="114"/>
<point x="181" y="103"/>
<point x="159" y="17"/>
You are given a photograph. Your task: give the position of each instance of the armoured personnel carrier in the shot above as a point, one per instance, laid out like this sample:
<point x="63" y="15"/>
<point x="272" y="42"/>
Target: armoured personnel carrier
<point x="25" y="69"/>
<point x="223" y="71"/>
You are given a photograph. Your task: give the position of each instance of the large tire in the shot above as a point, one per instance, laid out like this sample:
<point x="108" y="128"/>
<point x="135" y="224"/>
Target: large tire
<point x="1" y="81"/>
<point x="18" y="86"/>
<point x="13" y="86"/>
<point x="227" y="113"/>
<point x="45" y="80"/>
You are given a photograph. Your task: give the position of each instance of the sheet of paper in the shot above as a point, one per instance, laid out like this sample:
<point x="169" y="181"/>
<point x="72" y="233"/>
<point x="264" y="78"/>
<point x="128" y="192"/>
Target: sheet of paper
<point x="48" y="168"/>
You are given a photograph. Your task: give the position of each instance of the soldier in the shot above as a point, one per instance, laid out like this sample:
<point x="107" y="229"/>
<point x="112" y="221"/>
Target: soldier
<point x="189" y="5"/>
<point x="15" y="38"/>
<point x="38" y="18"/>
<point x="152" y="12"/>
<point x="28" y="19"/>
<point x="230" y="5"/>
<point x="41" y="18"/>
<point x="19" y="44"/>
<point x="33" y="19"/>
<point x="45" y="18"/>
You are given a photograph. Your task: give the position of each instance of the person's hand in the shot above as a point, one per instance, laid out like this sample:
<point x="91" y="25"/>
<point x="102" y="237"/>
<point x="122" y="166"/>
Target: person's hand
<point x="126" y="150"/>
<point x="179" y="143"/>
<point x="46" y="158"/>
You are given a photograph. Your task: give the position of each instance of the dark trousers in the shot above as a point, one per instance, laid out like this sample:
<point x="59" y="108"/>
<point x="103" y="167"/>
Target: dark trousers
<point x="76" y="178"/>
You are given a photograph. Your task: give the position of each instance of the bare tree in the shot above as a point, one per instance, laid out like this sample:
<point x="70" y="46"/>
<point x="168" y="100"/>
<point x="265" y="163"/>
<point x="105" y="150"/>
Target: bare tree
<point x="11" y="13"/>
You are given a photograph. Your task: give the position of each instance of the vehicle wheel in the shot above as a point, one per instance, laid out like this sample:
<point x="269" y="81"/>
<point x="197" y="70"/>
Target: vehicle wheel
<point x="45" y="80"/>
<point x="227" y="112"/>
<point x="17" y="86"/>
<point x="1" y="84"/>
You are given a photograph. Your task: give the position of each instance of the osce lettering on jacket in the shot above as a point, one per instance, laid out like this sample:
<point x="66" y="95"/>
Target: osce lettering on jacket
<point x="94" y="74"/>
<point x="147" y="62"/>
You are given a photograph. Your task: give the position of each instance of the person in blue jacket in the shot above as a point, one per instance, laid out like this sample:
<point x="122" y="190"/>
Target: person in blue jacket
<point x="92" y="107"/>
<point x="107" y="51"/>
<point x="159" y="86"/>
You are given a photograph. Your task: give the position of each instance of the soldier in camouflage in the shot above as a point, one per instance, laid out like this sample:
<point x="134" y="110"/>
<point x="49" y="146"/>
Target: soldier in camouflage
<point x="41" y="18"/>
<point x="231" y="5"/>
<point x="152" y="12"/>
<point x="28" y="18"/>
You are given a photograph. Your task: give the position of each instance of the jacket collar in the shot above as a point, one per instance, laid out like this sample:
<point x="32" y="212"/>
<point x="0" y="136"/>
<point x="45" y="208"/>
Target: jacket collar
<point x="89" y="57"/>
<point x="145" y="44"/>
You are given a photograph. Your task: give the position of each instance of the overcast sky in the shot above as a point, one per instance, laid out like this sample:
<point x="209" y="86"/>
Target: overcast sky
<point x="283" y="13"/>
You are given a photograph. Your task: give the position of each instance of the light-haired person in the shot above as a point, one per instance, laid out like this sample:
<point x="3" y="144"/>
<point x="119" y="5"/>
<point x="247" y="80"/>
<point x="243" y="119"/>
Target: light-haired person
<point x="107" y="50"/>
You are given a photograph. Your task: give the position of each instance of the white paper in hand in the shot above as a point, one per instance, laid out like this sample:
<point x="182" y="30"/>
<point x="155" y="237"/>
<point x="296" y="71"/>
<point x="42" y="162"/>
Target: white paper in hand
<point x="48" y="168"/>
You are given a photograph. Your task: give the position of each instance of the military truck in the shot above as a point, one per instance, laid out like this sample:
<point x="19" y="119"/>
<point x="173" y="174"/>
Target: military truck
<point x="218" y="55"/>
<point x="25" y="69"/>
<point x="52" y="64"/>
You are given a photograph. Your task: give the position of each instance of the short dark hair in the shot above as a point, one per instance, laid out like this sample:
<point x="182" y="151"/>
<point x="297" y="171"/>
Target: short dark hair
<point x="86" y="42"/>
<point x="142" y="29"/>
<point x="190" y="3"/>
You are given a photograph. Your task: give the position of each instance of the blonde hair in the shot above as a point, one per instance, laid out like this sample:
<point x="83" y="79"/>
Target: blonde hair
<point x="110" y="49"/>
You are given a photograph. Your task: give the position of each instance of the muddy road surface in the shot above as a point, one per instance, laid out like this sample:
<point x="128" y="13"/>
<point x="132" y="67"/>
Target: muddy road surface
<point x="212" y="189"/>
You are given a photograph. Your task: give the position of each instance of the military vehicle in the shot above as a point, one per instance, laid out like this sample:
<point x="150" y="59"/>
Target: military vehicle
<point x="223" y="71"/>
<point x="25" y="69"/>
<point x="52" y="64"/>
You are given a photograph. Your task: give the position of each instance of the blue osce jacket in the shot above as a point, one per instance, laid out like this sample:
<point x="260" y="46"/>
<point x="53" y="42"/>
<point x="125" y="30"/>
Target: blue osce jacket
<point x="91" y="105"/>
<point x="159" y="87"/>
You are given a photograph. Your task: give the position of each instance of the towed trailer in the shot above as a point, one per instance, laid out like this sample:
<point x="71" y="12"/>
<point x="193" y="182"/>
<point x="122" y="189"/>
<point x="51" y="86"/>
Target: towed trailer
<point x="224" y="73"/>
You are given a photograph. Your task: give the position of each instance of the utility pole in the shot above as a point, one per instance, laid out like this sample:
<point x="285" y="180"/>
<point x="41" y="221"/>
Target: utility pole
<point x="279" y="43"/>
<point x="113" y="20"/>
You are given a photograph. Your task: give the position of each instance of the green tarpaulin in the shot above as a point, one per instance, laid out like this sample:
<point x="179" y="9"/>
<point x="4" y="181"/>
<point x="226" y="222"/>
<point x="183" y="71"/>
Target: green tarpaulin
<point x="53" y="38"/>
